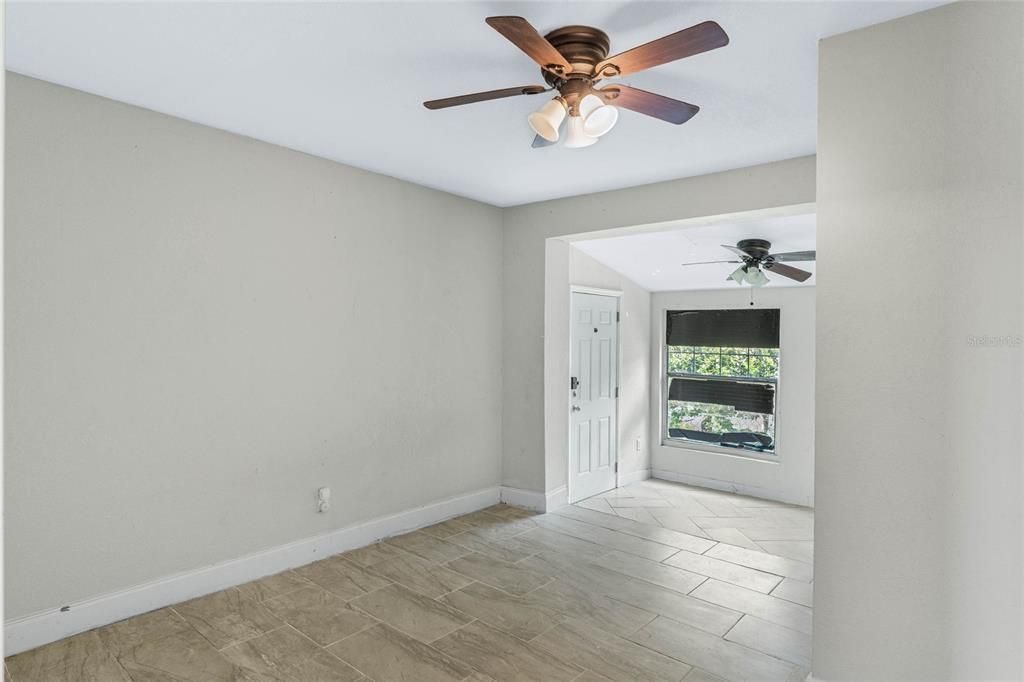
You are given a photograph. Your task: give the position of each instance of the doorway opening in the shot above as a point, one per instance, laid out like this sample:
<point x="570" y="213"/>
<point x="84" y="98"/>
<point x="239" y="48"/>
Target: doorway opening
<point x="721" y="407"/>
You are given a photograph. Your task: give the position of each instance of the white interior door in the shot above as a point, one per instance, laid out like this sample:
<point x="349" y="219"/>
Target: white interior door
<point x="593" y="388"/>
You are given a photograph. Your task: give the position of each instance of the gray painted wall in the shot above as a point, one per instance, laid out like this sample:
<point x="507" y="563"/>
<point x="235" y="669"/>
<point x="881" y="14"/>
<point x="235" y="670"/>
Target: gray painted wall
<point x="201" y="329"/>
<point x="784" y="183"/>
<point x="918" y="473"/>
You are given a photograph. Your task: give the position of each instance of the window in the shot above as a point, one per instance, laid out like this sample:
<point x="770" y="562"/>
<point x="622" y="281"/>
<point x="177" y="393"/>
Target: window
<point x="722" y="374"/>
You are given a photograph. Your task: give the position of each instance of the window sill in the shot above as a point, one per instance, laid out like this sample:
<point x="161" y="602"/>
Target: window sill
<point x="767" y="458"/>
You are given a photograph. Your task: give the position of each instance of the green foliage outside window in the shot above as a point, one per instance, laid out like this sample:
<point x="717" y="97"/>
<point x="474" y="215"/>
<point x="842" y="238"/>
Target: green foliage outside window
<point x="709" y="418"/>
<point x="752" y="363"/>
<point x="757" y="363"/>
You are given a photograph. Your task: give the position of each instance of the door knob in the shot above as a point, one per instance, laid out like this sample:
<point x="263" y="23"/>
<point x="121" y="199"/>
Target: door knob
<point x="575" y="408"/>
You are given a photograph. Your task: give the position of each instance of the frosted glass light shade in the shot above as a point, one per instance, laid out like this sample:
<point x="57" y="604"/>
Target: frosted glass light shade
<point x="545" y="122"/>
<point x="598" y="117"/>
<point x="575" y="137"/>
<point x="756" y="278"/>
<point x="739" y="275"/>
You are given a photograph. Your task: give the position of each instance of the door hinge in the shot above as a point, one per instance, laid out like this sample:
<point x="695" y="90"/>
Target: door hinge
<point x="617" y="316"/>
<point x="616" y="391"/>
<point x="616" y="467"/>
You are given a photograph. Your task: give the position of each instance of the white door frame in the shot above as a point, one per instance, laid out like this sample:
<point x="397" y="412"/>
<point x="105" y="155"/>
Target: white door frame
<point x="616" y="294"/>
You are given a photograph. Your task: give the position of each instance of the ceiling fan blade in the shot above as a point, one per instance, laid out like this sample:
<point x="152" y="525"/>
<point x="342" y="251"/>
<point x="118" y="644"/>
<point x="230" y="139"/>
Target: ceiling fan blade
<point x="539" y="142"/>
<point x="649" y="103"/>
<point x="737" y="251"/>
<point x="484" y="96"/>
<point x="710" y="262"/>
<point x="788" y="271"/>
<point x="690" y="41"/>
<point x="524" y="36"/>
<point x="794" y="256"/>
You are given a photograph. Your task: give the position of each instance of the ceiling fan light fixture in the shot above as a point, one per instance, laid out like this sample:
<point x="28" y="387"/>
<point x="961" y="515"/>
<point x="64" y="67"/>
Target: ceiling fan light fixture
<point x="598" y="117"/>
<point x="546" y="121"/>
<point x="756" y="277"/>
<point x="575" y="58"/>
<point x="739" y="275"/>
<point x="575" y="138"/>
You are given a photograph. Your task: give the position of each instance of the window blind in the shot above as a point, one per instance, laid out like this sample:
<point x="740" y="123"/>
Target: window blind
<point x="723" y="328"/>
<point x="742" y="396"/>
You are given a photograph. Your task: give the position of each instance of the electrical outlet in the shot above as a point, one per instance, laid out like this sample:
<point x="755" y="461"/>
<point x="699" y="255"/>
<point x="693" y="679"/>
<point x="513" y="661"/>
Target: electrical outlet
<point x="323" y="499"/>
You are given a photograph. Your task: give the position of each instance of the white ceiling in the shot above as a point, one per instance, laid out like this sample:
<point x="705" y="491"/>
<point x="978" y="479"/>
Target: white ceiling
<point x="345" y="81"/>
<point x="654" y="259"/>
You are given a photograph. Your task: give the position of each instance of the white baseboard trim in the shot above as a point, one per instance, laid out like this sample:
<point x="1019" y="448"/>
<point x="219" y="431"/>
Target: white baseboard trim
<point x="537" y="501"/>
<point x="725" y="486"/>
<point x="528" y="499"/>
<point x="559" y="497"/>
<point x="634" y="476"/>
<point x="29" y="632"/>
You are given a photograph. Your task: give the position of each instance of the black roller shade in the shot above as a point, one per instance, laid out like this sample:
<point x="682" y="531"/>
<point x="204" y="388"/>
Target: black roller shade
<point x="724" y="328"/>
<point x="742" y="396"/>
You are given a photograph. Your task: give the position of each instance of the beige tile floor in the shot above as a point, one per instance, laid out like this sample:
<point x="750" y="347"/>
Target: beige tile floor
<point x="655" y="581"/>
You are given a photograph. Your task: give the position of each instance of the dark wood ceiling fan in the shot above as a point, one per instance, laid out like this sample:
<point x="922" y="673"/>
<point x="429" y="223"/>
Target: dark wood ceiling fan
<point x="755" y="254"/>
<point x="574" y="59"/>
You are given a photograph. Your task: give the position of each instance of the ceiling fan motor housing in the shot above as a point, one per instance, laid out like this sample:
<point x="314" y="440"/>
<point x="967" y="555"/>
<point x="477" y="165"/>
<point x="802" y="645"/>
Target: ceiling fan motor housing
<point x="582" y="46"/>
<point x="757" y="249"/>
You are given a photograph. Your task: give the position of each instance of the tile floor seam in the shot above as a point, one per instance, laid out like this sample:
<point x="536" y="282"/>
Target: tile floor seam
<point x="528" y="556"/>
<point x="438" y="639"/>
<point x="634" y="535"/>
<point x="713" y="604"/>
<point x="544" y="632"/>
<point x="307" y="582"/>
<point x="172" y="610"/>
<point x="439" y="597"/>
<point x="748" y="615"/>
<point x="655" y="615"/>
<point x="710" y="548"/>
<point x="763" y="570"/>
<point x="207" y="639"/>
<point x="763" y="653"/>
<point x="722" y="637"/>
<point x="301" y="634"/>
<point x="375" y="623"/>
<point x="325" y="649"/>
<point x="284" y="624"/>
<point x="117" y="662"/>
<point x="627" y="535"/>
<point x="455" y="570"/>
<point x="668" y="655"/>
<point x="407" y="634"/>
<point x="552" y="530"/>
<point x="321" y="647"/>
<point x="553" y="579"/>
<point x="368" y="592"/>
<point x="725" y="634"/>
<point x="706" y="578"/>
<point x="790" y="601"/>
